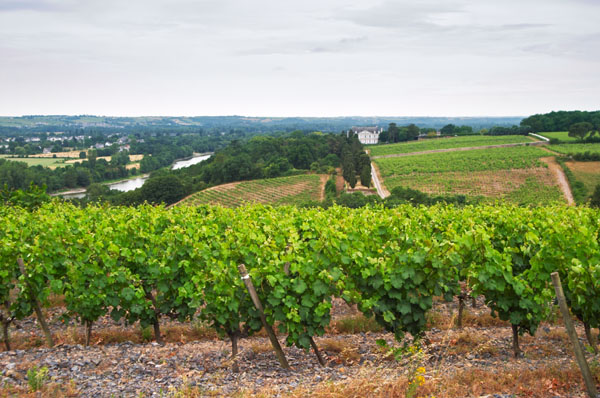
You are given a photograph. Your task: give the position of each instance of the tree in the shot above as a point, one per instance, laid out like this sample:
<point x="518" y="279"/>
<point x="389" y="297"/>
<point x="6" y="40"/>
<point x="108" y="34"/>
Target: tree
<point x="365" y="176"/>
<point x="393" y="133"/>
<point x="412" y="132"/>
<point x="448" y="129"/>
<point x="82" y="155"/>
<point x="580" y="130"/>
<point x="165" y="189"/>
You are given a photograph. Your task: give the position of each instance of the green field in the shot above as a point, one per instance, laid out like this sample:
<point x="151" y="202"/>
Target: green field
<point x="291" y="190"/>
<point x="521" y="157"/>
<point x="515" y="174"/>
<point x="586" y="172"/>
<point x="559" y="135"/>
<point x="572" y="149"/>
<point x="46" y="162"/>
<point x="448" y="143"/>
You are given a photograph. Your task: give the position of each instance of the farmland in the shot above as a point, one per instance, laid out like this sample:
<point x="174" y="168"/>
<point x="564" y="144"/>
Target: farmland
<point x="448" y="143"/>
<point x="463" y="161"/>
<point x="32" y="161"/>
<point x="586" y="172"/>
<point x="131" y="270"/>
<point x="572" y="149"/>
<point x="515" y="174"/>
<point x="290" y="190"/>
<point x="559" y="135"/>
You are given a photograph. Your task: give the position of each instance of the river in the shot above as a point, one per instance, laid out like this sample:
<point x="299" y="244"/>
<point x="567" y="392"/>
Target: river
<point x="180" y="164"/>
<point x="134" y="183"/>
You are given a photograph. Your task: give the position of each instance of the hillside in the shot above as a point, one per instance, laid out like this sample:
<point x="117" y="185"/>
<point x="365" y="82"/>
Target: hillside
<point x="514" y="173"/>
<point x="292" y="190"/>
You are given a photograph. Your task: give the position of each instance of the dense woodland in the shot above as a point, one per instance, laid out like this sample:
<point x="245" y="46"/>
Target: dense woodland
<point x="259" y="157"/>
<point x="561" y="120"/>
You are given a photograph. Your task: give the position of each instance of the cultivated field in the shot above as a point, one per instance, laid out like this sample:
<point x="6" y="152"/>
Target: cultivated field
<point x="586" y="172"/>
<point x="572" y="149"/>
<point x="515" y="174"/>
<point x="291" y="190"/>
<point x="68" y="154"/>
<point x="560" y="135"/>
<point x="448" y="143"/>
<point x="132" y="158"/>
<point x="31" y="161"/>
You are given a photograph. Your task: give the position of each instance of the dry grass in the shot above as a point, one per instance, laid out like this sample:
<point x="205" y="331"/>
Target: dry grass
<point x="51" y="390"/>
<point x="346" y="351"/>
<point x="261" y="348"/>
<point x="538" y="383"/>
<point x="482" y="320"/>
<point x="176" y="333"/>
<point x="354" y="324"/>
<point x="444" y="320"/>
<point x="466" y="342"/>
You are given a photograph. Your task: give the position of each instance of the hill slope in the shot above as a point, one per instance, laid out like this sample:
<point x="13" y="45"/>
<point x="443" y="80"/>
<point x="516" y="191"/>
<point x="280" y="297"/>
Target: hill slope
<point x="275" y="191"/>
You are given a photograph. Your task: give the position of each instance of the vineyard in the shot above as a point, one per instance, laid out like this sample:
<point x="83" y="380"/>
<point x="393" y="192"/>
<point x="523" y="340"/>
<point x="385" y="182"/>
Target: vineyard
<point x="143" y="264"/>
<point x="521" y="186"/>
<point x="291" y="190"/>
<point x="572" y="149"/>
<point x="448" y="143"/>
<point x="515" y="174"/>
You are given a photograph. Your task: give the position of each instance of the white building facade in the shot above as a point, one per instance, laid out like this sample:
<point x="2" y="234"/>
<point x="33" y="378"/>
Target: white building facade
<point x="367" y="135"/>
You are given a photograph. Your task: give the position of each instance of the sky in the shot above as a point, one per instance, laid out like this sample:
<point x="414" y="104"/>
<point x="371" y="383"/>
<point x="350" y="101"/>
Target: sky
<point x="299" y="58"/>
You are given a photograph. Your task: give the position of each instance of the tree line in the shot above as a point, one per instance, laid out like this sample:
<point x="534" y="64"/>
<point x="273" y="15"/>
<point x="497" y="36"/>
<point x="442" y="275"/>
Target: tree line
<point x="561" y="120"/>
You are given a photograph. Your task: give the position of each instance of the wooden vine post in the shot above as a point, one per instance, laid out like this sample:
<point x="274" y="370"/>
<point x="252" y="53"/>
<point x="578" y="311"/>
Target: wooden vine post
<point x="583" y="365"/>
<point x="36" y="305"/>
<point x="256" y="300"/>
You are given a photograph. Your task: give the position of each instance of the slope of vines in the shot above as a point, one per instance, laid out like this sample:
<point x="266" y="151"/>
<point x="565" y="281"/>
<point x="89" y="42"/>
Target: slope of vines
<point x="147" y="262"/>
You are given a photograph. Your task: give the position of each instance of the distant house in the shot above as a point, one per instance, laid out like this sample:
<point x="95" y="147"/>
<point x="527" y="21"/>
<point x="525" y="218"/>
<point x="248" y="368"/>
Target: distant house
<point x="368" y="135"/>
<point x="47" y="150"/>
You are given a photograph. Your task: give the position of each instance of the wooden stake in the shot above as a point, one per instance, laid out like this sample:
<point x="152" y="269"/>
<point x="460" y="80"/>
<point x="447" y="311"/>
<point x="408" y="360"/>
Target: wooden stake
<point x="583" y="365"/>
<point x="36" y="306"/>
<point x="256" y="300"/>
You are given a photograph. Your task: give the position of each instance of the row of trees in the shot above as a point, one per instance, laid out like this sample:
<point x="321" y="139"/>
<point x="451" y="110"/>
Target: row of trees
<point x="355" y="161"/>
<point x="18" y="175"/>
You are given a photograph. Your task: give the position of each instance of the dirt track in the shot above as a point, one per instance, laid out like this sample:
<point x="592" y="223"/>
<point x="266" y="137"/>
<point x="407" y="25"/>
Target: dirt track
<point x="560" y="178"/>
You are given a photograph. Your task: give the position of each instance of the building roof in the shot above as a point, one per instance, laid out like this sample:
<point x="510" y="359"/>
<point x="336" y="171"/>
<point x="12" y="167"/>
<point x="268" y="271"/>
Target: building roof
<point x="369" y="129"/>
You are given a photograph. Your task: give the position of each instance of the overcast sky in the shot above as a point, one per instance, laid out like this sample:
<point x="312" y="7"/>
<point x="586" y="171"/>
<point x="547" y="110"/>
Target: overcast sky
<point x="298" y="58"/>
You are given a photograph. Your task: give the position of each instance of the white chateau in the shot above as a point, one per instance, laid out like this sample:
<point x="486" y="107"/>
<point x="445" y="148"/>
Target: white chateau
<point x="367" y="135"/>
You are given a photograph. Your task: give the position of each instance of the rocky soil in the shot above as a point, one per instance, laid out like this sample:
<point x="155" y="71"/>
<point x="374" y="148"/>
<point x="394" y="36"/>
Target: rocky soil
<point x="127" y="369"/>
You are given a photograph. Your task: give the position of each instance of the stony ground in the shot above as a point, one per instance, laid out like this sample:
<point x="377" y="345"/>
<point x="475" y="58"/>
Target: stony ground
<point x="475" y="361"/>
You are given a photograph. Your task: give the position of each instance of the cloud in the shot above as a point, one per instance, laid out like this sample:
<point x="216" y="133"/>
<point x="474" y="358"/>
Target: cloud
<point x="426" y="56"/>
<point x="29" y="5"/>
